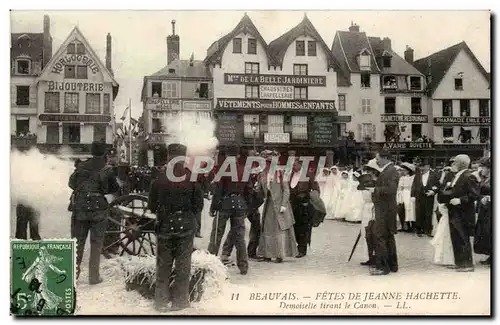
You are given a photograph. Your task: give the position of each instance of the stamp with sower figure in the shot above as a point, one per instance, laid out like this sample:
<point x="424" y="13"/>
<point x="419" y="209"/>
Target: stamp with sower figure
<point x="43" y="277"/>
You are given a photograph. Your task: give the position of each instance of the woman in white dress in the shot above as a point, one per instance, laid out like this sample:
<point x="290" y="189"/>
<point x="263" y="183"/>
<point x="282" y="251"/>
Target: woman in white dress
<point x="443" y="248"/>
<point x="332" y="193"/>
<point x="340" y="199"/>
<point x="352" y="212"/>
<point x="404" y="188"/>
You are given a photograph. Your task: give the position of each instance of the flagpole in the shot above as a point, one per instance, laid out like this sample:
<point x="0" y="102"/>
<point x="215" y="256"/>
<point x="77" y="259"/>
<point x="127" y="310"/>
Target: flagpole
<point x="130" y="129"/>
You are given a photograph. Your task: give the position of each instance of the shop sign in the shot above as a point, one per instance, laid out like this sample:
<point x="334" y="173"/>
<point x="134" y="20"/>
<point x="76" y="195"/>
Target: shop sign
<point x="408" y="146"/>
<point x="277" y="137"/>
<point x="268" y="79"/>
<point x="75" y="86"/>
<point x="465" y="121"/>
<point x="197" y="105"/>
<point x="276" y="92"/>
<point x="343" y="119"/>
<point x="385" y="118"/>
<point x="75" y="118"/>
<point x="268" y="104"/>
<point x="163" y="103"/>
<point x="461" y="146"/>
<point x="75" y="59"/>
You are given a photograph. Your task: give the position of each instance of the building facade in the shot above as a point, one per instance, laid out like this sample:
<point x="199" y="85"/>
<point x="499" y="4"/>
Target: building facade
<point x="75" y="95"/>
<point x="459" y="97"/>
<point x="181" y="91"/>
<point x="280" y="96"/>
<point x="30" y="52"/>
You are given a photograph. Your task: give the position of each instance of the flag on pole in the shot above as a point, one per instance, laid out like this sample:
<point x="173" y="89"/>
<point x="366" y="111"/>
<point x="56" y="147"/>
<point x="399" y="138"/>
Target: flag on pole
<point x="133" y="121"/>
<point x="125" y="113"/>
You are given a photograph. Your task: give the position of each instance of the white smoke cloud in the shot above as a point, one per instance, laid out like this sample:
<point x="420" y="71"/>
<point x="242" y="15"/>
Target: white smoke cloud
<point x="41" y="181"/>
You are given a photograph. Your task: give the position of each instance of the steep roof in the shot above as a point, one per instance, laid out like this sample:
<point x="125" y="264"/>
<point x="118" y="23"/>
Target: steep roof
<point x="399" y="66"/>
<point x="34" y="50"/>
<point x="438" y="64"/>
<point x="77" y="34"/>
<point x="351" y="44"/>
<point x="215" y="51"/>
<point x="183" y="69"/>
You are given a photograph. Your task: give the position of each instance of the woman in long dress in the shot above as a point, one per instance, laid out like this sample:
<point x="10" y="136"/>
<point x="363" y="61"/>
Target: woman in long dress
<point x="331" y="193"/>
<point x="443" y="248"/>
<point x="277" y="239"/>
<point x="352" y="211"/>
<point x="405" y="184"/>
<point x="341" y="198"/>
<point x="482" y="235"/>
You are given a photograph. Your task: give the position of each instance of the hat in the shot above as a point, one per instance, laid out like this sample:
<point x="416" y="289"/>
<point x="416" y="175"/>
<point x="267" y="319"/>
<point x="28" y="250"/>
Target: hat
<point x="409" y="167"/>
<point x="366" y="180"/>
<point x="373" y="165"/>
<point x="176" y="149"/>
<point x="485" y="161"/>
<point x="98" y="148"/>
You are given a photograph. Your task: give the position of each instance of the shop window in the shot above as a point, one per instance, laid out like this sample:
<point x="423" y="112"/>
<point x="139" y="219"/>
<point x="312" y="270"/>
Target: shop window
<point x="22" y="126"/>
<point x="459" y="84"/>
<point x="247" y="126"/>
<point x="416" y="105"/>
<point x="447" y="108"/>
<point x="22" y="95"/>
<point x="71" y="133"/>
<point x="448" y="136"/>
<point x="69" y="72"/>
<point x="416" y="83"/>
<point x="156" y="89"/>
<point x="93" y="104"/>
<point x="156" y="125"/>
<point x="251" y="68"/>
<point x="203" y="90"/>
<point x="299" y="127"/>
<point x="106" y="104"/>
<point x="300" y="93"/>
<point x="71" y="102"/>
<point x="484" y="134"/>
<point x="251" y="91"/>
<point x="252" y="46"/>
<point x="365" y="80"/>
<point x="366" y="106"/>
<point x="23" y="66"/>
<point x="342" y="103"/>
<point x="52" y="102"/>
<point x="464" y="107"/>
<point x="275" y="123"/>
<point x="389" y="82"/>
<point x="81" y="72"/>
<point x="300" y="48"/>
<point x="311" y="48"/>
<point x="100" y="132"/>
<point x="416" y="132"/>
<point x="236" y="45"/>
<point x="300" y="69"/>
<point x="484" y="107"/>
<point x="52" y="133"/>
<point x="390" y="105"/>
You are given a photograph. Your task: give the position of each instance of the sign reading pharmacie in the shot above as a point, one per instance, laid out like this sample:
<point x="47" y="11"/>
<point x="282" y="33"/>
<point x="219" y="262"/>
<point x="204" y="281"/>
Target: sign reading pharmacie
<point x="408" y="146"/>
<point x="276" y="92"/>
<point x="82" y="118"/>
<point x="75" y="86"/>
<point x="264" y="104"/>
<point x="269" y="79"/>
<point x="465" y="121"/>
<point x="75" y="59"/>
<point x="387" y="118"/>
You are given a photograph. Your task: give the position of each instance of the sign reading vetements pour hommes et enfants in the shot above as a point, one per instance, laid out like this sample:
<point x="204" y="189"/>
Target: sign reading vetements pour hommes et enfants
<point x="75" y="59"/>
<point x="264" y="104"/>
<point x="323" y="130"/>
<point x="75" y="86"/>
<point x="228" y="128"/>
<point x="268" y="79"/>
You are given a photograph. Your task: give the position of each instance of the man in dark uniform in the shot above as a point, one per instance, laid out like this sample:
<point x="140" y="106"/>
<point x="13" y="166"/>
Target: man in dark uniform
<point x="27" y="216"/>
<point x="90" y="182"/>
<point x="112" y="239"/>
<point x="229" y="203"/>
<point x="176" y="204"/>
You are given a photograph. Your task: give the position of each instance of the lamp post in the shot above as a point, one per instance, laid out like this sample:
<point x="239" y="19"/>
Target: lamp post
<point x="254" y="125"/>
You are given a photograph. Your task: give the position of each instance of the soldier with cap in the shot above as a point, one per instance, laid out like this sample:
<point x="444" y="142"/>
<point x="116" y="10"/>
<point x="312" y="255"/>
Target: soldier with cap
<point x="230" y="203"/>
<point x="176" y="201"/>
<point x="112" y="238"/>
<point x="90" y="181"/>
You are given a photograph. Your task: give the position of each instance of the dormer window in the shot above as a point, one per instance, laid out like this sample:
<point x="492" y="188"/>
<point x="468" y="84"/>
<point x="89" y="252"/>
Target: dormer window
<point x="416" y="83"/>
<point x="23" y="66"/>
<point x="364" y="60"/>
<point x="300" y="48"/>
<point x="386" y="59"/>
<point x="236" y="45"/>
<point x="389" y="82"/>
<point x="459" y="84"/>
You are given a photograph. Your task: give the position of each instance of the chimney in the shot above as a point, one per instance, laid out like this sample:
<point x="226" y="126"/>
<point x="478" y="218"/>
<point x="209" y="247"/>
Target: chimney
<point x="47" y="41"/>
<point x="173" y="45"/>
<point x="191" y="60"/>
<point x="386" y="43"/>
<point x="108" y="54"/>
<point x="354" y="27"/>
<point x="409" y="54"/>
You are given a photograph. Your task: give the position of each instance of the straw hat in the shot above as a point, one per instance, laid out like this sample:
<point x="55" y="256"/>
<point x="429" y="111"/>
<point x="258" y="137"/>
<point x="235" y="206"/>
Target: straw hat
<point x="408" y="166"/>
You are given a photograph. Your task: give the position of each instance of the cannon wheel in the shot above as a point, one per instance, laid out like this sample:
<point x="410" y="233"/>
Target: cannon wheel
<point x="131" y="227"/>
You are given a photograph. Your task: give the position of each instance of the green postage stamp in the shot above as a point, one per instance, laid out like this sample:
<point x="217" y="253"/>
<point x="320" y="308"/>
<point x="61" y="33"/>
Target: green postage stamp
<point x="43" y="277"/>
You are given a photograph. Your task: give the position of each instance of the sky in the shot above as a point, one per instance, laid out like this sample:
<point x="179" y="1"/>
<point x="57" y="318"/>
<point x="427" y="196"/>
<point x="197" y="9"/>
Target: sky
<point x="139" y="37"/>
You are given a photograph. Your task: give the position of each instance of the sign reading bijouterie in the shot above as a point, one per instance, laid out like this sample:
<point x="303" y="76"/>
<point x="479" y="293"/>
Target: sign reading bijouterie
<point x="404" y="118"/>
<point x="268" y="79"/>
<point x="75" y="59"/>
<point x="261" y="104"/>
<point x="75" y="86"/>
<point x="75" y="118"/>
<point x="408" y="146"/>
<point x="466" y="120"/>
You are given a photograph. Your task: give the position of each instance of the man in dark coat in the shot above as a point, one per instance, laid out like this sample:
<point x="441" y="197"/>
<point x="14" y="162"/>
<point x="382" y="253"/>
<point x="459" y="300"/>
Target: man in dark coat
<point x="460" y="199"/>
<point x="426" y="182"/>
<point x="90" y="181"/>
<point x="27" y="216"/>
<point x="176" y="204"/>
<point x="386" y="209"/>
<point x="230" y="203"/>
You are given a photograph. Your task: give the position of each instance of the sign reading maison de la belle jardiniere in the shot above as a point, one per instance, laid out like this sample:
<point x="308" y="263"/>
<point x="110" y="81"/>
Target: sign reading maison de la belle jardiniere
<point x="464" y="121"/>
<point x="269" y="79"/>
<point x="75" y="59"/>
<point x="275" y="104"/>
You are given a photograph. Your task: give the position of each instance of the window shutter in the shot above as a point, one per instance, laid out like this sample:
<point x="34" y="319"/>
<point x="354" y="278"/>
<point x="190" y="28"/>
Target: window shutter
<point x="360" y="133"/>
<point x="374" y="133"/>
<point x="164" y="86"/>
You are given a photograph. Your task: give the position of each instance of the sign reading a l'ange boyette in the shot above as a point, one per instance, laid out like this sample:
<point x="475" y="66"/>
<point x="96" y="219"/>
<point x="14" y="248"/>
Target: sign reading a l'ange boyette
<point x="269" y="79"/>
<point x="75" y="59"/>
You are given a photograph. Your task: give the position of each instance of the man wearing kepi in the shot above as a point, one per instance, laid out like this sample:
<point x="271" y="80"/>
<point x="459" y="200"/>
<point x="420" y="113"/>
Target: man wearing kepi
<point x="90" y="182"/>
<point x="229" y="203"/>
<point x="176" y="201"/>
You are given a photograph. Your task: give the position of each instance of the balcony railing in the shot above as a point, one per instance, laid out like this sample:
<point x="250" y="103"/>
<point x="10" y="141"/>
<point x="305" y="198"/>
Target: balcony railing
<point x="23" y="141"/>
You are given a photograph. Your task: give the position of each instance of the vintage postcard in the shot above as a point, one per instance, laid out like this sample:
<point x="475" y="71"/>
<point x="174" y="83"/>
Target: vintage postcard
<point x="250" y="163"/>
